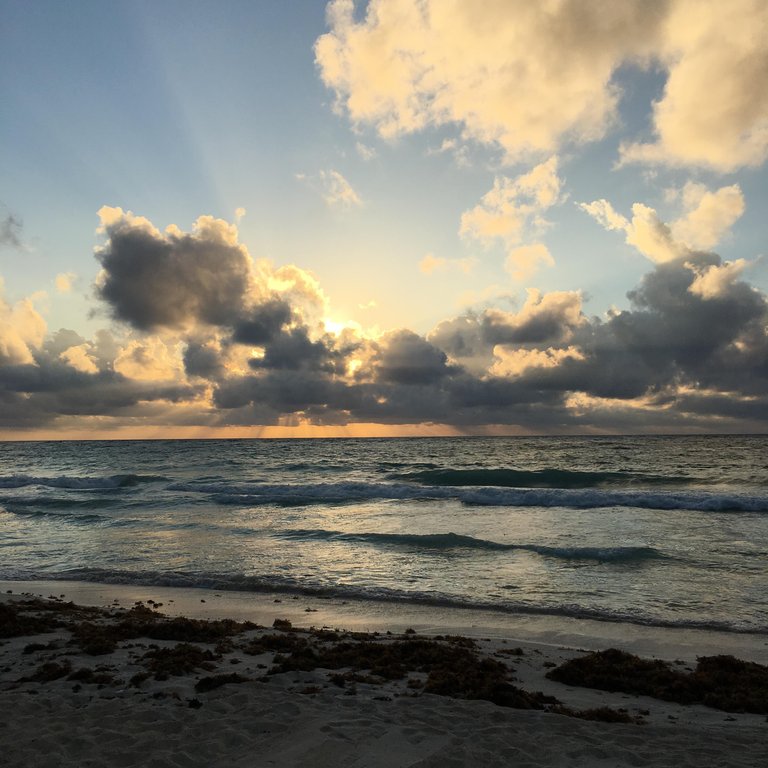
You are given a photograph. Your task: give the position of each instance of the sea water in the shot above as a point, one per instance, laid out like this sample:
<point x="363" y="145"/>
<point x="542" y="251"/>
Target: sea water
<point x="666" y="531"/>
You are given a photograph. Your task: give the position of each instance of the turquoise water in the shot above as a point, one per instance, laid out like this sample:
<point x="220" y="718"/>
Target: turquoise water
<point x="653" y="530"/>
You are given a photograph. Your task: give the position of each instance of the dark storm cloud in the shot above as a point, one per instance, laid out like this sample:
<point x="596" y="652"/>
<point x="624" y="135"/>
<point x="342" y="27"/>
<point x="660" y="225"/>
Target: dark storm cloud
<point x="263" y="323"/>
<point x="37" y="394"/>
<point x="462" y="338"/>
<point x="673" y="360"/>
<point x="548" y="322"/>
<point x="152" y="280"/>
<point x="294" y="350"/>
<point x="691" y="351"/>
<point x="203" y="359"/>
<point x="674" y="335"/>
<point x="406" y="358"/>
<point x="543" y="321"/>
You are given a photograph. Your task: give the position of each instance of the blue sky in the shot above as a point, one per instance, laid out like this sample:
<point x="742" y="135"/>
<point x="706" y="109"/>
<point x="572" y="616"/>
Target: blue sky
<point x="360" y="145"/>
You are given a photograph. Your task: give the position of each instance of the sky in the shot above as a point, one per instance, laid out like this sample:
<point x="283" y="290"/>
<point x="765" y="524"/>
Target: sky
<point x="396" y="217"/>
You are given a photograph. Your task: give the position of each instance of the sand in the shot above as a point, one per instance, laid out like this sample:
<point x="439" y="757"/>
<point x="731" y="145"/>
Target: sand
<point x="338" y="717"/>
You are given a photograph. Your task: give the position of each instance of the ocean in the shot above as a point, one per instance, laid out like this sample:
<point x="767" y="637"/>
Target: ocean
<point x="660" y="531"/>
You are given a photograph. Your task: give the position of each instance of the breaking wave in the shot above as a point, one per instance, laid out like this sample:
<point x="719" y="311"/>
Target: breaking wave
<point x="454" y="541"/>
<point x="540" y="478"/>
<point x="254" y="494"/>
<point x="78" y="483"/>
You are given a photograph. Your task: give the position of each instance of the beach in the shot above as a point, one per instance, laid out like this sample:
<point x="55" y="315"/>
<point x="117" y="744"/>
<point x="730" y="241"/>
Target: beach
<point x="200" y="691"/>
<point x="432" y="602"/>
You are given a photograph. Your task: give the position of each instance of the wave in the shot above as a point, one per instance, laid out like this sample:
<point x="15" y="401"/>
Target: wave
<point x="79" y="483"/>
<point x="253" y="494"/>
<point x="451" y="541"/>
<point x="70" y="517"/>
<point x="283" y="585"/>
<point x="20" y="502"/>
<point x="540" y="478"/>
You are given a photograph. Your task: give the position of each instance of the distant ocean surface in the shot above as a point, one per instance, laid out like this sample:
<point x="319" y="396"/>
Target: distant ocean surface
<point x="668" y="531"/>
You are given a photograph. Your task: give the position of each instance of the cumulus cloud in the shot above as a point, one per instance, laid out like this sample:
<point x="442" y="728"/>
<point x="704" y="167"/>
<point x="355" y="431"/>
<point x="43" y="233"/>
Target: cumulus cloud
<point x="406" y="358"/>
<point x="406" y="66"/>
<point x="531" y="77"/>
<point x="523" y="261"/>
<point x="709" y="215"/>
<point x="714" y="109"/>
<point x="152" y="279"/>
<point x="80" y="358"/>
<point x="22" y="330"/>
<point x="150" y="359"/>
<point x="513" y="362"/>
<point x="715" y="279"/>
<point x="511" y="212"/>
<point x="707" y="218"/>
<point x="691" y="350"/>
<point x="513" y="205"/>
<point x="544" y="318"/>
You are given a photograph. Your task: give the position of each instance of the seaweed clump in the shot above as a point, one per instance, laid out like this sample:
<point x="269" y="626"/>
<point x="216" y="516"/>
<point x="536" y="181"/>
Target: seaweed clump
<point x="179" y="660"/>
<point x="99" y="639"/>
<point x="15" y="620"/>
<point x="452" y="669"/>
<point x="722" y="682"/>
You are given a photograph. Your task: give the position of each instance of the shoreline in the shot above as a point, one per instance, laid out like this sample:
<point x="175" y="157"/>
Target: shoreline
<point x="381" y="616"/>
<point x="70" y="702"/>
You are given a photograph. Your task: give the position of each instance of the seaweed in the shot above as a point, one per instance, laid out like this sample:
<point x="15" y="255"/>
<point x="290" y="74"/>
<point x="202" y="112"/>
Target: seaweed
<point x="179" y="660"/>
<point x="14" y="621"/>
<point x="274" y="642"/>
<point x="50" y="670"/>
<point x="140" y="621"/>
<point x="452" y="669"/>
<point x="722" y="682"/>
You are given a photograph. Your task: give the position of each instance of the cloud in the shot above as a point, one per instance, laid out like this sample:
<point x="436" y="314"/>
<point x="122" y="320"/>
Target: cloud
<point x="174" y="279"/>
<point x="406" y="358"/>
<point x="80" y="358"/>
<point x="714" y="280"/>
<point x="690" y="352"/>
<point x="531" y="78"/>
<point x="64" y="282"/>
<point x="522" y="262"/>
<point x="714" y="109"/>
<point x="514" y="362"/>
<point x="150" y="359"/>
<point x="544" y="318"/>
<point x="10" y="232"/>
<point x="512" y="211"/>
<point x="512" y="206"/>
<point x="707" y="218"/>
<point x="22" y="330"/>
<point x="334" y="189"/>
<point x="463" y="339"/>
<point x="407" y="66"/>
<point x="263" y="322"/>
